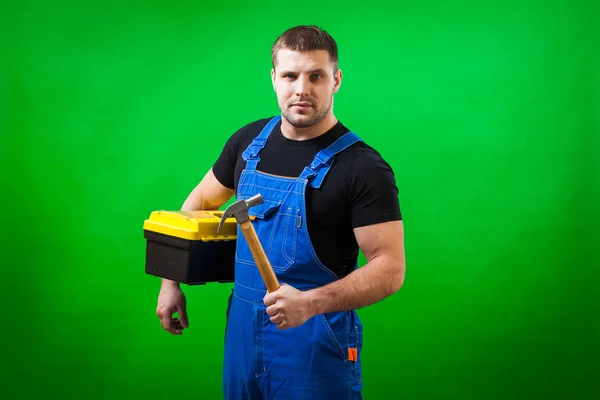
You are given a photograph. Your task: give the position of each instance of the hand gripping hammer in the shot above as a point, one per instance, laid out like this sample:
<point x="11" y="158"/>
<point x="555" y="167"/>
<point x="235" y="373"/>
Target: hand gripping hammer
<point x="239" y="210"/>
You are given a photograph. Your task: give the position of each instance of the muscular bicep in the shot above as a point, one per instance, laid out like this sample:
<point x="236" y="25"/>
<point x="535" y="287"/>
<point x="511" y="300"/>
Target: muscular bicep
<point x="383" y="245"/>
<point x="381" y="240"/>
<point x="209" y="194"/>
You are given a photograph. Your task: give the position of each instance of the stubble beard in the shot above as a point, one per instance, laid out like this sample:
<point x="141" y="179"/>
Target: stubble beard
<point x="300" y="120"/>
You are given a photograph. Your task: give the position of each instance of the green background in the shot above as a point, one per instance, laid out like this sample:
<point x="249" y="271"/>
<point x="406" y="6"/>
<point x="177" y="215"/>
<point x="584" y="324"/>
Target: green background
<point x="488" y="113"/>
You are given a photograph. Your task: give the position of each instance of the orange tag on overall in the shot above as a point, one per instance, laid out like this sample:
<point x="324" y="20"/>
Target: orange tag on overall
<point x="352" y="354"/>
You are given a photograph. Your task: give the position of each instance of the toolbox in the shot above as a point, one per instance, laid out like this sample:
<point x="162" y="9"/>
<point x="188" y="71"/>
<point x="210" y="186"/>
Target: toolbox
<point x="184" y="246"/>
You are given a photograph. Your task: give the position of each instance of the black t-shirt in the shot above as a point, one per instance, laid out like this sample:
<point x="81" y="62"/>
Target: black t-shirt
<point x="359" y="190"/>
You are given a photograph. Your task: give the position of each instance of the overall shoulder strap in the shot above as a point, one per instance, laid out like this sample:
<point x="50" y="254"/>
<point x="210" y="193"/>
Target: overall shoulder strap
<point x="251" y="154"/>
<point x="319" y="167"/>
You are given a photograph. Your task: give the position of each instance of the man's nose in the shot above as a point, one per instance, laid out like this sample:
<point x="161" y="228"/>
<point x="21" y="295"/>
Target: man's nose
<point x="302" y="86"/>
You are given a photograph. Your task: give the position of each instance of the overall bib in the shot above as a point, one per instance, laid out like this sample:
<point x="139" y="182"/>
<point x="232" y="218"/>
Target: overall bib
<point x="319" y="359"/>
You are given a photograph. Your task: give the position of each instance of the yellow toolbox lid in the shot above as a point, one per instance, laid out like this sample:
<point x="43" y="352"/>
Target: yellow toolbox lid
<point x="192" y="225"/>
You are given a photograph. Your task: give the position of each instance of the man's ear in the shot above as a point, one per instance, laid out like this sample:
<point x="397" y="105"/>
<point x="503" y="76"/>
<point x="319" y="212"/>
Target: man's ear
<point x="337" y="79"/>
<point x="273" y="78"/>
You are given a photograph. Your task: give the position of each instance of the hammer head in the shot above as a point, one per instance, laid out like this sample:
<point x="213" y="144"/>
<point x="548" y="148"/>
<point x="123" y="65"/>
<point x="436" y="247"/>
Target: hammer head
<point x="239" y="210"/>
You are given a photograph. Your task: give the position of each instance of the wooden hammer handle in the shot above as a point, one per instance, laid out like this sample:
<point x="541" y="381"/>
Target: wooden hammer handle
<point x="264" y="266"/>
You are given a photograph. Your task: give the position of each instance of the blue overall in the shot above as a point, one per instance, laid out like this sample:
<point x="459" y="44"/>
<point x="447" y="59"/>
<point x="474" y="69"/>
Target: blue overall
<point x="313" y="361"/>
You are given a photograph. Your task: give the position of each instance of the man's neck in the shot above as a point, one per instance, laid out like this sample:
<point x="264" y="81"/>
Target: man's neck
<point x="293" y="133"/>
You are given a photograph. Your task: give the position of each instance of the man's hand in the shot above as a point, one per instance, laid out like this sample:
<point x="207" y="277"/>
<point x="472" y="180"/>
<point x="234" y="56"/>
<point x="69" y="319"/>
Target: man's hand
<point x="209" y="194"/>
<point x="172" y="300"/>
<point x="288" y="307"/>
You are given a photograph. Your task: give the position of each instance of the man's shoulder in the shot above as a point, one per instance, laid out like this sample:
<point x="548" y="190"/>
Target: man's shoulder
<point x="252" y="128"/>
<point x="362" y="155"/>
<point x="244" y="135"/>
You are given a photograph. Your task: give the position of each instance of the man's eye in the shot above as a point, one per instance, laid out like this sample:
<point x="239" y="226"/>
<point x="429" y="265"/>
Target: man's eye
<point x="317" y="76"/>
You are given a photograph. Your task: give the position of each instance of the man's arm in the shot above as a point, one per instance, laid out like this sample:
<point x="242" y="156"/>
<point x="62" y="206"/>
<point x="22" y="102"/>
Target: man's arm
<point x="382" y="276"/>
<point x="209" y="194"/>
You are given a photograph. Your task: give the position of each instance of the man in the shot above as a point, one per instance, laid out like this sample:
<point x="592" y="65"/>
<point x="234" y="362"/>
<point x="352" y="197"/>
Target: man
<point x="326" y="194"/>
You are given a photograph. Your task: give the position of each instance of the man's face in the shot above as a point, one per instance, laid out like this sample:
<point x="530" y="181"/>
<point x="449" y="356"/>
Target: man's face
<point x="305" y="83"/>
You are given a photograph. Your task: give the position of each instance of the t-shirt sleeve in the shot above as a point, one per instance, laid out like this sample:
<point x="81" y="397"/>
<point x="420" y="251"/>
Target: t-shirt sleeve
<point x="373" y="193"/>
<point x="224" y="166"/>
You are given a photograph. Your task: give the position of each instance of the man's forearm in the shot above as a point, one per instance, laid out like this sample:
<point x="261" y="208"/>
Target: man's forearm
<point x="373" y="282"/>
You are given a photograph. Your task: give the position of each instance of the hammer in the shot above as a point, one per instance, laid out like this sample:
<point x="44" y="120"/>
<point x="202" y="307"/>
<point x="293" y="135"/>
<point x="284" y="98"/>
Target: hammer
<point x="239" y="210"/>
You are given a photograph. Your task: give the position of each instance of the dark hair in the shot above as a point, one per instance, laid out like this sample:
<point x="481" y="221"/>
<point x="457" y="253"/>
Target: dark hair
<point x="306" y="38"/>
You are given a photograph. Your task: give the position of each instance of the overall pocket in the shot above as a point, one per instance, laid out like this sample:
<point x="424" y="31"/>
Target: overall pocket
<point x="358" y="343"/>
<point x="282" y="252"/>
<point x="277" y="229"/>
<point x="345" y="332"/>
